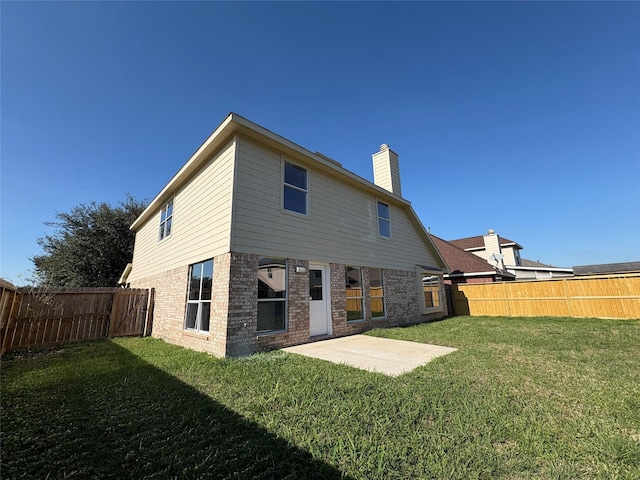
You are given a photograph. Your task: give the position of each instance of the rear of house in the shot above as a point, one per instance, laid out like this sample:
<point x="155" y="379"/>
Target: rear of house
<point x="257" y="243"/>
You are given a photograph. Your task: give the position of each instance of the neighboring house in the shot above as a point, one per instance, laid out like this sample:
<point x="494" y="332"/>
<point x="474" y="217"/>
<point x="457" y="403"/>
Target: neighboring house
<point x="257" y="243"/>
<point x="607" y="269"/>
<point x="504" y="254"/>
<point x="465" y="267"/>
<point x="532" y="269"/>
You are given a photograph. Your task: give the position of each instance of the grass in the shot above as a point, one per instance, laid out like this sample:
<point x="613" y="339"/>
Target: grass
<point x="521" y="398"/>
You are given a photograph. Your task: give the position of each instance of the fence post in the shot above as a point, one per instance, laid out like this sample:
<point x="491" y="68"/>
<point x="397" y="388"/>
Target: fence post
<point x="148" y="320"/>
<point x="5" y="342"/>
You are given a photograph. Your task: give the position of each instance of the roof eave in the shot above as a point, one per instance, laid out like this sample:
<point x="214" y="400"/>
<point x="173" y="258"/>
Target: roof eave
<point x="235" y="123"/>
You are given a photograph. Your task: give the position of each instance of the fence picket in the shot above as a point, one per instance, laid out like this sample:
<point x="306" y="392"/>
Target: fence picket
<point x="49" y="317"/>
<point x="605" y="296"/>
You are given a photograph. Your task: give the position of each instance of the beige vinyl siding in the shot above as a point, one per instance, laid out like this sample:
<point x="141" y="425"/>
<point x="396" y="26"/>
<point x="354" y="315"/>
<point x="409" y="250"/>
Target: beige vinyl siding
<point x="509" y="256"/>
<point x="201" y="221"/>
<point x="342" y="225"/>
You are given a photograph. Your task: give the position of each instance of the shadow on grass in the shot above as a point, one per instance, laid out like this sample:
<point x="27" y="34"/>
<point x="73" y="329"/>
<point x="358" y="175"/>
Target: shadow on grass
<point x="98" y="411"/>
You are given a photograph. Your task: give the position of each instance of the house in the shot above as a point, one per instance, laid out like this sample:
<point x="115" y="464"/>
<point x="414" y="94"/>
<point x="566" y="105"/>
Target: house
<point x="257" y="243"/>
<point x="465" y="267"/>
<point x="504" y="254"/>
<point x="621" y="268"/>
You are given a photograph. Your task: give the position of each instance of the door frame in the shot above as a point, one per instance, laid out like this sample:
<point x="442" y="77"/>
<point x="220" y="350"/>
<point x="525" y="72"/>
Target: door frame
<point x="326" y="292"/>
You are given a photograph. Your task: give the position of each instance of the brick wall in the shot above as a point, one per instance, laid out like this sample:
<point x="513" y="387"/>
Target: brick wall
<point x="170" y="306"/>
<point x="297" y="313"/>
<point x="234" y="307"/>
<point x="242" y="313"/>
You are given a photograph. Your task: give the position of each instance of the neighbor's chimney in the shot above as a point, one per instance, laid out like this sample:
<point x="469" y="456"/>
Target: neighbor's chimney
<point x="386" y="170"/>
<point x="491" y="243"/>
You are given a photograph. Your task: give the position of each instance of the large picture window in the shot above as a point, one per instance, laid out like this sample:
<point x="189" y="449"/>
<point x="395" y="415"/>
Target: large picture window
<point x="384" y="222"/>
<point x="166" y="219"/>
<point x="353" y="284"/>
<point x="272" y="294"/>
<point x="295" y="188"/>
<point x="199" y="296"/>
<point x="376" y="291"/>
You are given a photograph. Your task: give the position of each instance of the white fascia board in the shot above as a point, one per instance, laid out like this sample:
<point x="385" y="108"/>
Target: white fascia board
<point x="264" y="135"/>
<point x="539" y="269"/>
<point x="194" y="162"/>
<point x="422" y="231"/>
<point x="474" y="274"/>
<point x="236" y="123"/>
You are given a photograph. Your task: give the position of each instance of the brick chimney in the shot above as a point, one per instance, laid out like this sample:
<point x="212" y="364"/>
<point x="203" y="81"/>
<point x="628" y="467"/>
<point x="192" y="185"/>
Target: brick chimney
<point x="386" y="170"/>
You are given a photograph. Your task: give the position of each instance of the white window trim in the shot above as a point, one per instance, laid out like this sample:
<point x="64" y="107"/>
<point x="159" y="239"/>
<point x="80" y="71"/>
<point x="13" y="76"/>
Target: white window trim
<point x="361" y="297"/>
<point x="420" y="273"/>
<point x="383" y="297"/>
<point x="388" y="220"/>
<point x="163" y="223"/>
<point x="283" y="162"/>
<point x="199" y="301"/>
<point x="260" y="333"/>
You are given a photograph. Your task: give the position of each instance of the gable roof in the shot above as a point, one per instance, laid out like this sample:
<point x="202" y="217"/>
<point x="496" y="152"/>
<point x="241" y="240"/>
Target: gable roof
<point x="533" y="263"/>
<point x="607" y="268"/>
<point x="235" y="124"/>
<point x="472" y="243"/>
<point x="462" y="262"/>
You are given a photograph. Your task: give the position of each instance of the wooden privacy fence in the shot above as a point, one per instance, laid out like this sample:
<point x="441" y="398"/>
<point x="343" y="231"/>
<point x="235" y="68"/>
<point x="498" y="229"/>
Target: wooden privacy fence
<point x="44" y="317"/>
<point x="605" y="296"/>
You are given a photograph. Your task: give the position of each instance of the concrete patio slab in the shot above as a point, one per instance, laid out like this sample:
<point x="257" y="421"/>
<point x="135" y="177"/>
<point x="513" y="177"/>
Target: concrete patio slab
<point x="383" y="355"/>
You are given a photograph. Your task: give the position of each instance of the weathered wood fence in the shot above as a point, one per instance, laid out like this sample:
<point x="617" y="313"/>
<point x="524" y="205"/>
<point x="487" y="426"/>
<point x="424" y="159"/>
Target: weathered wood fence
<point x="603" y="296"/>
<point x="45" y="317"/>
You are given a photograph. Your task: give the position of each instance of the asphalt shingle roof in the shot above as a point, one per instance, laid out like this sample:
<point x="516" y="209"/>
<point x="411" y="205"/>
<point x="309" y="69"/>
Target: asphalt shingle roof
<point x="459" y="260"/>
<point x="478" y="242"/>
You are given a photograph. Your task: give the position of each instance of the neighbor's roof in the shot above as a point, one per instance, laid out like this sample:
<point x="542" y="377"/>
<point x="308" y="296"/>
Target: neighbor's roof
<point x="471" y="243"/>
<point x="461" y="261"/>
<point x="607" y="268"/>
<point x="534" y="263"/>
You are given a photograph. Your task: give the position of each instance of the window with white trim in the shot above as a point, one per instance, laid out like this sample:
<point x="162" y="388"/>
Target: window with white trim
<point x="295" y="188"/>
<point x="166" y="219"/>
<point x="199" y="296"/>
<point x="384" y="222"/>
<point x="376" y="292"/>
<point x="431" y="289"/>
<point x="354" y="292"/>
<point x="272" y="294"/>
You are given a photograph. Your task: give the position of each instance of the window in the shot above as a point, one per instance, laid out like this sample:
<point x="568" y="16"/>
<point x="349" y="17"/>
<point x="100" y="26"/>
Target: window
<point x="384" y="224"/>
<point x="199" y="296"/>
<point x="295" y="188"/>
<point x="166" y="218"/>
<point x="353" y="277"/>
<point x="376" y="291"/>
<point x="272" y="294"/>
<point x="430" y="291"/>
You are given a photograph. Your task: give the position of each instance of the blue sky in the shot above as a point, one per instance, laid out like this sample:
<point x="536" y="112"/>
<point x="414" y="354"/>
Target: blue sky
<point x="523" y="117"/>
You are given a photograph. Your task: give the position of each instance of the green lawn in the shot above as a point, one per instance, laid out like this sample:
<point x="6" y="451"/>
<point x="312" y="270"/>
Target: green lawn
<point x="521" y="398"/>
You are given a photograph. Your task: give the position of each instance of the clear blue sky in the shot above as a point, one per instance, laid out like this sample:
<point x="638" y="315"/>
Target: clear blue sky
<point x="522" y="117"/>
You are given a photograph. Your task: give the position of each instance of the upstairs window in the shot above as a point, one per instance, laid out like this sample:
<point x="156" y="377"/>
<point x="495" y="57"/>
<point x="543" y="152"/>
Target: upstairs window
<point x="384" y="224"/>
<point x="199" y="296"/>
<point x="295" y="188"/>
<point x="166" y="218"/>
<point x="353" y="285"/>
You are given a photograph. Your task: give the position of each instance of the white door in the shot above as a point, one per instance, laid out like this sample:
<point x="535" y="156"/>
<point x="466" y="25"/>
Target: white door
<point x="319" y="306"/>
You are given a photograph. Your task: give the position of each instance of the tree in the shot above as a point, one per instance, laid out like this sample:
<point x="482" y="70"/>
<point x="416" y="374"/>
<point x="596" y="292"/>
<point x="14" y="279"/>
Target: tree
<point x="90" y="247"/>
